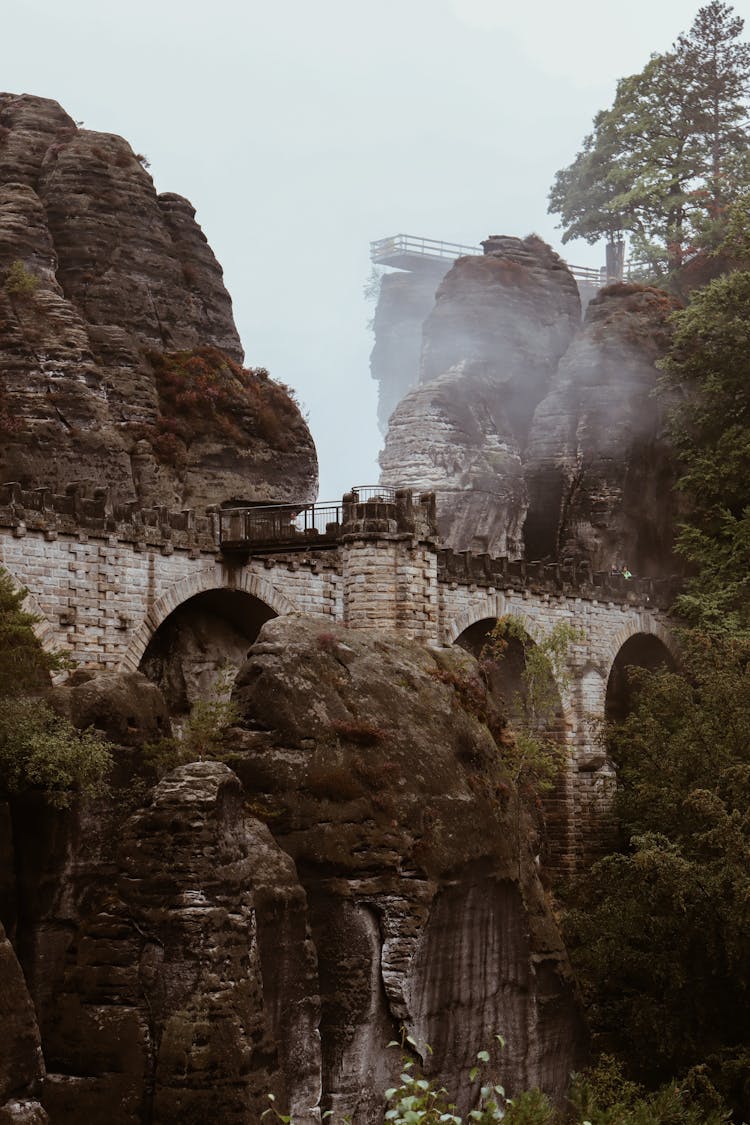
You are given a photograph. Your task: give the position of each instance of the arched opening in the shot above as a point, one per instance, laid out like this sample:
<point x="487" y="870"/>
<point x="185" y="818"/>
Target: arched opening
<point x="643" y="650"/>
<point x="206" y="635"/>
<point x="505" y="674"/>
<point x="536" y="716"/>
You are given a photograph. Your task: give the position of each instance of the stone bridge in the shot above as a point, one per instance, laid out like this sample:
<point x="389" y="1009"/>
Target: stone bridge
<point x="106" y="582"/>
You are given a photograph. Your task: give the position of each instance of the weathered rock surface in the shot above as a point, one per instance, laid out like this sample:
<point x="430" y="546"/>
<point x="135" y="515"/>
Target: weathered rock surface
<point x="390" y="796"/>
<point x="491" y="346"/>
<point x="119" y="358"/>
<point x="21" y="1062"/>
<point x="166" y="946"/>
<point x="598" y="466"/>
<point x="168" y="1009"/>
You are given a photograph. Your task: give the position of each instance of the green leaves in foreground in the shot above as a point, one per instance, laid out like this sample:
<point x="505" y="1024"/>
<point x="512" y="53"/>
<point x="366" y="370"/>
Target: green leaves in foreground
<point x="41" y="750"/>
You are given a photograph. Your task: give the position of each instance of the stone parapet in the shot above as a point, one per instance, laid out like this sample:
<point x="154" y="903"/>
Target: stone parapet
<point x="569" y="578"/>
<point x="84" y="509"/>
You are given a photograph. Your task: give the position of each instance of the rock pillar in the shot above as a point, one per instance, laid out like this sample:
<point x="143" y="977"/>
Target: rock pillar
<point x="390" y="562"/>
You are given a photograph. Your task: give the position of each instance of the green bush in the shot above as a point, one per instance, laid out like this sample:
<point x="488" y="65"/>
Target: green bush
<point x="40" y="750"/>
<point x="20" y="282"/>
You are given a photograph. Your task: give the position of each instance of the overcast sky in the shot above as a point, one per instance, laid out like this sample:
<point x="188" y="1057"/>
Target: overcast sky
<point x="302" y="129"/>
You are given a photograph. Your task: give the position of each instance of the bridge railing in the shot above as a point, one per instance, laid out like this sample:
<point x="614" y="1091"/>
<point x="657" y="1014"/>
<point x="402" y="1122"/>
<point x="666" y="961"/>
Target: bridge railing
<point x="280" y="525"/>
<point x="366" y="508"/>
<point x="396" y="249"/>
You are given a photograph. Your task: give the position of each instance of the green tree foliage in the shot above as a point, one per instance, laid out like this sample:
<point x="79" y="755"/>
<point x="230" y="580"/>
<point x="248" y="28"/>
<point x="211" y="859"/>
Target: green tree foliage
<point x="660" y="929"/>
<point x="664" y="161"/>
<point x="20" y="282"/>
<point x="38" y="748"/>
<point x="24" y="665"/>
<point x="41" y="750"/>
<point x="604" y="1096"/>
<point x="709" y="367"/>
<point x="202" y="733"/>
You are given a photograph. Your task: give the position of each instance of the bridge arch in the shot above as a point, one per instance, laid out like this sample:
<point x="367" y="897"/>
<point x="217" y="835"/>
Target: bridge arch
<point x="637" y="623"/>
<point x="181" y="592"/>
<point x="641" y="649"/>
<point x="484" y="609"/>
<point x="505" y="679"/>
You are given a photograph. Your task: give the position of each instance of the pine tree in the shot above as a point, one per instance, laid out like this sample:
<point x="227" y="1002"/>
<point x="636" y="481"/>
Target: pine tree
<point x="664" y="161"/>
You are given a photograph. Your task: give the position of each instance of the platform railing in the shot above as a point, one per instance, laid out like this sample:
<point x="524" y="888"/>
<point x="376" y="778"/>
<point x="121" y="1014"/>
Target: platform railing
<point x="383" y="249"/>
<point x="297" y="525"/>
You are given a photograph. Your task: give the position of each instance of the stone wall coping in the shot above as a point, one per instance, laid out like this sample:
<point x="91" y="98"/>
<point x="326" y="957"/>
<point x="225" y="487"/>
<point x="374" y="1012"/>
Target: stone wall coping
<point x="573" y="579"/>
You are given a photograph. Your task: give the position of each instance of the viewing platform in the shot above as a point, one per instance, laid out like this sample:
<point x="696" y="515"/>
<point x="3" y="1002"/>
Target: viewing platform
<point x="301" y="527"/>
<point x="413" y="254"/>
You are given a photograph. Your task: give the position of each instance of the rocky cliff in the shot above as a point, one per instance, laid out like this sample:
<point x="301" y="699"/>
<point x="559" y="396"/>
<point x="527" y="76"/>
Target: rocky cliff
<point x="119" y="358"/>
<point x="231" y="932"/>
<point x="541" y="438"/>
<point x="599" y="469"/>
<point x="491" y="347"/>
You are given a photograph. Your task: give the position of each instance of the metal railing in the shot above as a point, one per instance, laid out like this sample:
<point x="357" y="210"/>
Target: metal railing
<point x="364" y="492"/>
<point x="384" y="248"/>
<point x="589" y="273"/>
<point x="273" y="526"/>
<point x="402" y="245"/>
<point x="292" y="525"/>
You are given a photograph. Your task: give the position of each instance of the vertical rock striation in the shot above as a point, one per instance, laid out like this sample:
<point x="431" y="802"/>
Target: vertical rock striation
<point x="425" y="904"/>
<point x="166" y="946"/>
<point x="405" y="300"/>
<point x="21" y="1062"/>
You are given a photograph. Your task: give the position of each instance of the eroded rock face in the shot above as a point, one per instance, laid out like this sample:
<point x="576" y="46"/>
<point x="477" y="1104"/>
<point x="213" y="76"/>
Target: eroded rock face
<point x="391" y="799"/>
<point x="21" y="1062"/>
<point x="491" y="346"/>
<point x="185" y="958"/>
<point x="183" y="999"/>
<point x="166" y="945"/>
<point x="599" y="469"/>
<point x="119" y="358"/>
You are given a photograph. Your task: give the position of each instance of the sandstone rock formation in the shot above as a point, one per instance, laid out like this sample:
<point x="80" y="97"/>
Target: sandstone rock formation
<point x="164" y="942"/>
<point x="119" y="358"/>
<point x="541" y="439"/>
<point x="599" y="470"/>
<point x="188" y="992"/>
<point x="390" y="796"/>
<point x="21" y="1062"/>
<point x="491" y="346"/>
<point x="185" y="958"/>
